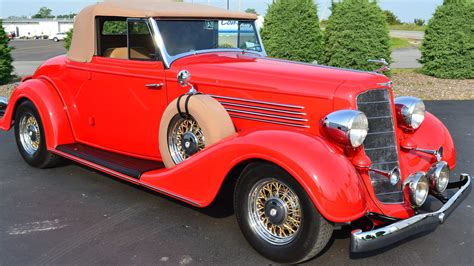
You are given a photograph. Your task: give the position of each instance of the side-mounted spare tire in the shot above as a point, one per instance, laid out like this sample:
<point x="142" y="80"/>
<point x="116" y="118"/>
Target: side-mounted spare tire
<point x="200" y="122"/>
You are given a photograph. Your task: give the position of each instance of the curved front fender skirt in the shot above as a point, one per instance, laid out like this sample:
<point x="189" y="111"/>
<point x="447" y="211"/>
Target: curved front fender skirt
<point x="50" y="107"/>
<point x="327" y="176"/>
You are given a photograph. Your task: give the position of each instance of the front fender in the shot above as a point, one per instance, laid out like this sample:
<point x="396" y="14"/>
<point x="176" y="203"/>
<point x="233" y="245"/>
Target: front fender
<point x="431" y="135"/>
<point x="327" y="176"/>
<point x="50" y="107"/>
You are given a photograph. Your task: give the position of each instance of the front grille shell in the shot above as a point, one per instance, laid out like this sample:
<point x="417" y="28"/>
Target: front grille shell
<point x="381" y="143"/>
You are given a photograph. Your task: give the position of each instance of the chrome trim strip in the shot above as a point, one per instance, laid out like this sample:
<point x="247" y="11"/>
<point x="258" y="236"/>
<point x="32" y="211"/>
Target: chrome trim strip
<point x="169" y="194"/>
<point x="266" y="115"/>
<point x="263" y="108"/>
<point x="387" y="235"/>
<point x="258" y="102"/>
<point x="373" y="102"/>
<point x="159" y="42"/>
<point x="269" y="121"/>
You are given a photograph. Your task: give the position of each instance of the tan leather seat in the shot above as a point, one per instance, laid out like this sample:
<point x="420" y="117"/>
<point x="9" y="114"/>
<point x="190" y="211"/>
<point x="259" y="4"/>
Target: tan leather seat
<point x="122" y="53"/>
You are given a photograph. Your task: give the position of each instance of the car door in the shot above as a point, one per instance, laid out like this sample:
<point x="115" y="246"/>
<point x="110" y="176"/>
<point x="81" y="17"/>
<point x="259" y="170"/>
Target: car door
<point x="121" y="106"/>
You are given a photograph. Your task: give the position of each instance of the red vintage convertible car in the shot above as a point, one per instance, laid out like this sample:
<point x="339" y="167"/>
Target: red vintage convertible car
<point x="181" y="99"/>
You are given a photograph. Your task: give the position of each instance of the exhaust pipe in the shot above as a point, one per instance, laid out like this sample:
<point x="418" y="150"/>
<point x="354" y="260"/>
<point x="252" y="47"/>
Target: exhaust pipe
<point x="3" y="105"/>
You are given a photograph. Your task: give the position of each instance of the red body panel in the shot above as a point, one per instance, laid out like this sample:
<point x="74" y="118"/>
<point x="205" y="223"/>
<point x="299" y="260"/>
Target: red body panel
<point x="105" y="104"/>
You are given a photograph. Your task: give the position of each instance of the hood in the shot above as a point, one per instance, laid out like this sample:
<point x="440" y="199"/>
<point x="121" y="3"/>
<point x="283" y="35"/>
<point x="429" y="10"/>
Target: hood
<point x="251" y="72"/>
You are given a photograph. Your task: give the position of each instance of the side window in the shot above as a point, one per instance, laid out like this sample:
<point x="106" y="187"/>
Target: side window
<point x="140" y="41"/>
<point x="112" y="37"/>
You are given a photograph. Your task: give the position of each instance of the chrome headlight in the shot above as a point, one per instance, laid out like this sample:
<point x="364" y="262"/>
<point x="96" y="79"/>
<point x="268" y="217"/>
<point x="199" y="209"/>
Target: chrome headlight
<point x="418" y="188"/>
<point x="410" y="111"/>
<point x="348" y="127"/>
<point x="439" y="176"/>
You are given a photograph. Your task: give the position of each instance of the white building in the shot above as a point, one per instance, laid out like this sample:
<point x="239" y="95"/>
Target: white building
<point x="36" y="27"/>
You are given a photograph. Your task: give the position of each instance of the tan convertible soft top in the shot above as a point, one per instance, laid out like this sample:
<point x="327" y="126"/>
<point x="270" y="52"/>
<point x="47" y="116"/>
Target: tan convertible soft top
<point x="83" y="44"/>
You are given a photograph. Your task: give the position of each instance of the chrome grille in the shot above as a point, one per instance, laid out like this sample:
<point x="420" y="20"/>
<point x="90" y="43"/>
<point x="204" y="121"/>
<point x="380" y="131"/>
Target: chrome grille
<point x="380" y="144"/>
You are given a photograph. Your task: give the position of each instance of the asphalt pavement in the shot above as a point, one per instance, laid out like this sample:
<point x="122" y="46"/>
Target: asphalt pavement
<point x="72" y="215"/>
<point x="28" y="55"/>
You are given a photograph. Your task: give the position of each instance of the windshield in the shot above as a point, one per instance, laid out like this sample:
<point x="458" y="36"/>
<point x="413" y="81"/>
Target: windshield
<point x="183" y="36"/>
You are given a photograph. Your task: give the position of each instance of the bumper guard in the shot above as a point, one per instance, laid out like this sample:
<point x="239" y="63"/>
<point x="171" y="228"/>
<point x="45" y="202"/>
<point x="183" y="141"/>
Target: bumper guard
<point x="421" y="223"/>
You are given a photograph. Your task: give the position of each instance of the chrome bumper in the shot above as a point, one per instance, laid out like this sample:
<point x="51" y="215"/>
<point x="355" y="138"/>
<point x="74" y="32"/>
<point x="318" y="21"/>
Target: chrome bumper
<point x="3" y="105"/>
<point x="426" y="222"/>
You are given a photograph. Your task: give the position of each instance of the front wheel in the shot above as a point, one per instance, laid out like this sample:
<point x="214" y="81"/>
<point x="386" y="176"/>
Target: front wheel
<point x="30" y="137"/>
<point x="277" y="217"/>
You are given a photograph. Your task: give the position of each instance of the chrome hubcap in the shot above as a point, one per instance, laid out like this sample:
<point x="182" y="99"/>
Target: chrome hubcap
<point x="185" y="138"/>
<point x="274" y="211"/>
<point x="30" y="135"/>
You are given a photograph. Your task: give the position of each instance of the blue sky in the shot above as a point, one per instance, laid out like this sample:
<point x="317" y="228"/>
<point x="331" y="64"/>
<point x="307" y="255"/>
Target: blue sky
<point x="406" y="10"/>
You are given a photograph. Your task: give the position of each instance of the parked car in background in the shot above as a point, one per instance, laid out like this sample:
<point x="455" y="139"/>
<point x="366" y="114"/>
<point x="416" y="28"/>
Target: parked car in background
<point x="58" y="37"/>
<point x="182" y="99"/>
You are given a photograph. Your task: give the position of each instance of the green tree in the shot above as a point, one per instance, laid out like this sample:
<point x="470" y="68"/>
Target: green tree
<point x="6" y="67"/>
<point x="419" y="22"/>
<point x="448" y="47"/>
<point x="68" y="39"/>
<point x="356" y="31"/>
<point x="44" y="12"/>
<point x="291" y="30"/>
<point x="392" y="19"/>
<point x="251" y="11"/>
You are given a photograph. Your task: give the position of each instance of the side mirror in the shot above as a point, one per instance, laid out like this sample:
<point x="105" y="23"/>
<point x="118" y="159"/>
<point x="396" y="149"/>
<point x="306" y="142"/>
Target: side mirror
<point x="184" y="78"/>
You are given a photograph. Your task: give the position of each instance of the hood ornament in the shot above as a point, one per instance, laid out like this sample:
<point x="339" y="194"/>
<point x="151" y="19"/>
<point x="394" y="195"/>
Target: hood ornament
<point x="385" y="65"/>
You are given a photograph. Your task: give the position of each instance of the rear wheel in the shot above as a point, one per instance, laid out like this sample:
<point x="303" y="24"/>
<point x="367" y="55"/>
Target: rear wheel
<point x="30" y="137"/>
<point x="277" y="217"/>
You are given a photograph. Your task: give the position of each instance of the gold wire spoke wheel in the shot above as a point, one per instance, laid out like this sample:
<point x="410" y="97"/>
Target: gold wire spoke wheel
<point x="185" y="138"/>
<point x="274" y="211"/>
<point x="30" y="134"/>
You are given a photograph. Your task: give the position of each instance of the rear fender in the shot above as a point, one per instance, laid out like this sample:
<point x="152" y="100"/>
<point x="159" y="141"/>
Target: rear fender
<point x="50" y="107"/>
<point x="327" y="176"/>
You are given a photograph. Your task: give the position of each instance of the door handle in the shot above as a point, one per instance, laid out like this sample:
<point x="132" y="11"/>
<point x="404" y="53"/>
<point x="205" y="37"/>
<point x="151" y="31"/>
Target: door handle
<point x="154" y="86"/>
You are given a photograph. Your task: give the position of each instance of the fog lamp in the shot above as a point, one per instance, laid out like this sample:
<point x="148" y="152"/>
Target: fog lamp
<point x="418" y="188"/>
<point x="438" y="176"/>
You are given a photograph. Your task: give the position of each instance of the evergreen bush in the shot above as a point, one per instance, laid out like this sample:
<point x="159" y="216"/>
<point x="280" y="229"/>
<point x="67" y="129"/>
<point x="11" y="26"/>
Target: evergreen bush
<point x="291" y="30"/>
<point x="356" y="31"/>
<point x="448" y="48"/>
<point x="6" y="67"/>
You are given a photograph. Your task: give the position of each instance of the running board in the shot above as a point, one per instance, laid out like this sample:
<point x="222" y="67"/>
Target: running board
<point x="122" y="164"/>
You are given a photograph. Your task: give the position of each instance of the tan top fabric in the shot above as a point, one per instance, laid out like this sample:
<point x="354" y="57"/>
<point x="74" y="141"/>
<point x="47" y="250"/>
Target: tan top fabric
<point x="83" y="43"/>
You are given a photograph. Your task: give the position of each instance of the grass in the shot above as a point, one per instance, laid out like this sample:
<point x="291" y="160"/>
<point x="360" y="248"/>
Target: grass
<point x="409" y="27"/>
<point x="397" y="43"/>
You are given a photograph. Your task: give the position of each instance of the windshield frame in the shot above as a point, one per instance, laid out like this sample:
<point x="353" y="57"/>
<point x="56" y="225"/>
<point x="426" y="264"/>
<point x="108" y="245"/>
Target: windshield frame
<point x="169" y="59"/>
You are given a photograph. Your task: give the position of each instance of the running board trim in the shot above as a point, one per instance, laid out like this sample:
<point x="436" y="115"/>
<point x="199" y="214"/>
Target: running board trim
<point x="124" y="177"/>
